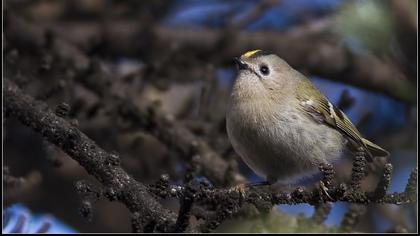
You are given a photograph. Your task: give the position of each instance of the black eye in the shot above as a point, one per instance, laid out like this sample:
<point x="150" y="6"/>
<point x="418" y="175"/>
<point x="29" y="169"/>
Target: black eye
<point x="264" y="70"/>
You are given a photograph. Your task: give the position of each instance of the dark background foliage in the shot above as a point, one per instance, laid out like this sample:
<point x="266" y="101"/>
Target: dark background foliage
<point x="148" y="82"/>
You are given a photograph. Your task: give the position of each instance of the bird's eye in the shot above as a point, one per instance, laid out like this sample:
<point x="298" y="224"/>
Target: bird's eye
<point x="264" y="70"/>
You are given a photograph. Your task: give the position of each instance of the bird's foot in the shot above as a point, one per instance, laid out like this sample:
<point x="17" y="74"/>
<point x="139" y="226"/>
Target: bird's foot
<point x="324" y="190"/>
<point x="241" y="188"/>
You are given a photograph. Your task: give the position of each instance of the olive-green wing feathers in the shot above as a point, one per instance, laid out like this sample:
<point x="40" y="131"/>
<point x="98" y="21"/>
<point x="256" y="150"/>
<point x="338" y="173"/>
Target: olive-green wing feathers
<point x="317" y="106"/>
<point x="375" y="149"/>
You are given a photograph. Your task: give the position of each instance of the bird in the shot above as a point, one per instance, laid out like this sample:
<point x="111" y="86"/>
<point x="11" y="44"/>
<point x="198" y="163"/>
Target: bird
<point x="282" y="126"/>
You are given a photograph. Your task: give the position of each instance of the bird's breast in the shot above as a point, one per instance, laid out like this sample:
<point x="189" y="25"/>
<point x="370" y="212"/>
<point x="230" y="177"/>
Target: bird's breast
<point x="280" y="141"/>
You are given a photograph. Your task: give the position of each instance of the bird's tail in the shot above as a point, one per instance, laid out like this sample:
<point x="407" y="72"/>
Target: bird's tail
<point x="374" y="149"/>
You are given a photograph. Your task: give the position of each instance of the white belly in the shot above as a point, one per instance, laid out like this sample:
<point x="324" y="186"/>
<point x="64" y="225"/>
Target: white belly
<point x="283" y="146"/>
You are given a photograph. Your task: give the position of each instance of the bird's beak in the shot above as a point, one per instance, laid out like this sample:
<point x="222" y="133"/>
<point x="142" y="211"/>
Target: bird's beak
<point x="241" y="64"/>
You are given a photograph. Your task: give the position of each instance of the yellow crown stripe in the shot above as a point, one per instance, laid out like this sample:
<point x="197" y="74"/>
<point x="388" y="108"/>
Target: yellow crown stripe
<point x="250" y="53"/>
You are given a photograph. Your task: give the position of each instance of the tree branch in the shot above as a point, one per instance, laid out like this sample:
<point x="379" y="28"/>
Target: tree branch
<point x="96" y="161"/>
<point x="105" y="167"/>
<point x="169" y="131"/>
<point x="311" y="47"/>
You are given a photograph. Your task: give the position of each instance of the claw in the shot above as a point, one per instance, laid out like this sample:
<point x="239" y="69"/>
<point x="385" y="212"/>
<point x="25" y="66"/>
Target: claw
<point x="240" y="188"/>
<point x="324" y="190"/>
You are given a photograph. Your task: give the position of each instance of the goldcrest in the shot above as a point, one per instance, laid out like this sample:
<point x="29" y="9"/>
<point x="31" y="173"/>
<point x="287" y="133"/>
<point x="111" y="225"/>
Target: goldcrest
<point x="281" y="125"/>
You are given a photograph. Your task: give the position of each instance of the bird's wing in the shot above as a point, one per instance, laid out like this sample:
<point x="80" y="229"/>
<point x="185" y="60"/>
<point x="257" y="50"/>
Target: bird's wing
<point x="315" y="104"/>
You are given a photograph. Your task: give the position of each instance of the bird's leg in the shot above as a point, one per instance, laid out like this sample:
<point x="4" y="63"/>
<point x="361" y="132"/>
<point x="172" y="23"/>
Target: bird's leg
<point x="240" y="188"/>
<point x="324" y="190"/>
<point x="328" y="175"/>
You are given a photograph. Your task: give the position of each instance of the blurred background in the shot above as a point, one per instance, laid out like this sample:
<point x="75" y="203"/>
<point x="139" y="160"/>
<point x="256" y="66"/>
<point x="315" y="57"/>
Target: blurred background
<point x="177" y="55"/>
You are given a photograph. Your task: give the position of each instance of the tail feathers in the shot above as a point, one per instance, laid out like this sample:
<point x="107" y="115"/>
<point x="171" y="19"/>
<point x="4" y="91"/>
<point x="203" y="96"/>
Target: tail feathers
<point x="374" y="149"/>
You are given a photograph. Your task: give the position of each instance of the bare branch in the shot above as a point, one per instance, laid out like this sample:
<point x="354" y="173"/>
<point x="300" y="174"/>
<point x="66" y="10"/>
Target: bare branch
<point x="311" y="47"/>
<point x="94" y="159"/>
